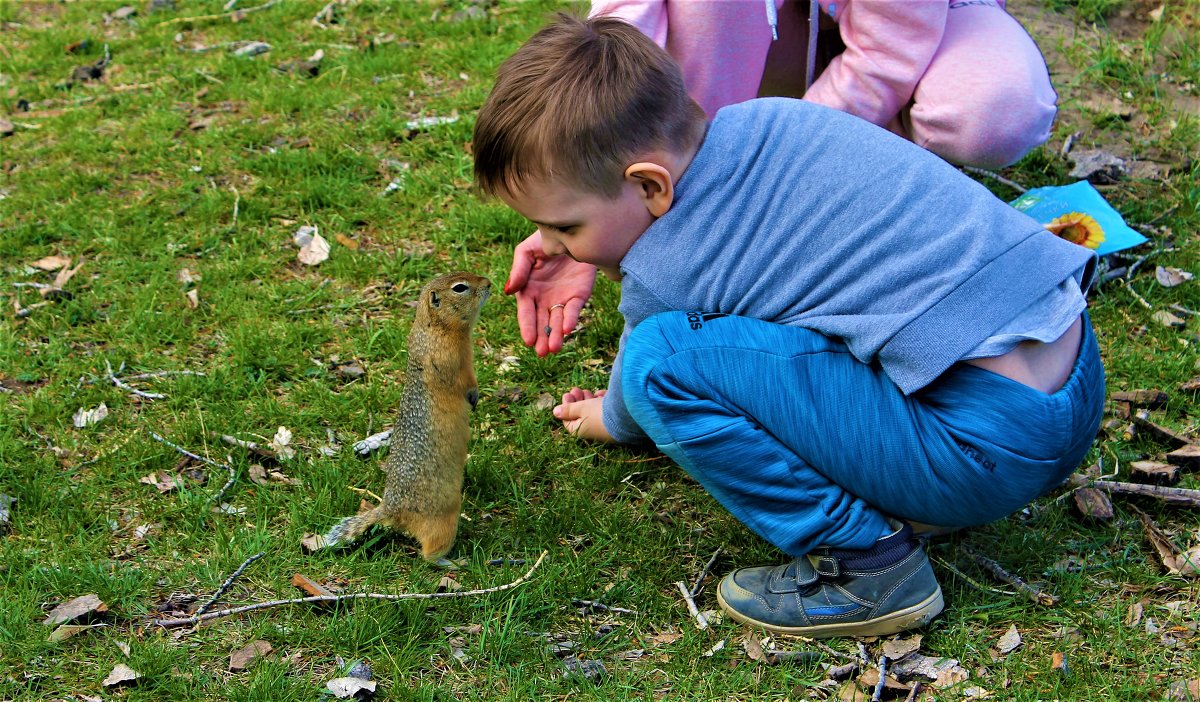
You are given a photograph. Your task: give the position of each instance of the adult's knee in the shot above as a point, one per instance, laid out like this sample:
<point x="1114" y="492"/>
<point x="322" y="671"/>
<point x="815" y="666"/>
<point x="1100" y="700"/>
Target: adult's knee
<point x="995" y="128"/>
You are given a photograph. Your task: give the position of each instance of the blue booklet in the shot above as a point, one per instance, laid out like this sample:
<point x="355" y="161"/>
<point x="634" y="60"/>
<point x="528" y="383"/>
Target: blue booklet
<point x="1079" y="214"/>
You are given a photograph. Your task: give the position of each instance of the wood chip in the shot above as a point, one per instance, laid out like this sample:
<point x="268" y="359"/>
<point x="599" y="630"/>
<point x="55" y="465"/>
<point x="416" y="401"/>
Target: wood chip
<point x="1154" y="473"/>
<point x="1187" y="457"/>
<point x="1142" y="398"/>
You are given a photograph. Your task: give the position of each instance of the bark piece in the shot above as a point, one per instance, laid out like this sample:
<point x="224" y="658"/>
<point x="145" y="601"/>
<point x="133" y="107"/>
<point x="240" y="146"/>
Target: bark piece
<point x="1142" y="398"/>
<point x="1187" y="457"/>
<point x="1154" y="473"/>
<point x="1142" y="419"/>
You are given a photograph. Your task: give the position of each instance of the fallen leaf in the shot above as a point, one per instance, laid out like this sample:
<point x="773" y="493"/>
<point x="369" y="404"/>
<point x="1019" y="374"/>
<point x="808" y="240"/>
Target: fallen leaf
<point x="283" y="437"/>
<point x="1167" y="319"/>
<point x="345" y="688"/>
<point x="124" y="648"/>
<point x="74" y="609"/>
<point x="346" y="241"/>
<point x="51" y="263"/>
<point x="898" y="648"/>
<point x="165" y="482"/>
<point x="1009" y="641"/>
<point x="754" y="648"/>
<point x="1170" y="277"/>
<point x="66" y="631"/>
<point x="1094" y="503"/>
<point x="187" y="277"/>
<point x="193" y="299"/>
<point x="1184" y="690"/>
<point x="312" y="542"/>
<point x="121" y="674"/>
<point x="85" y="417"/>
<point x="448" y="584"/>
<point x="1058" y="662"/>
<point x="314" y="252"/>
<point x="242" y="658"/>
<point x="304" y="235"/>
<point x="544" y="401"/>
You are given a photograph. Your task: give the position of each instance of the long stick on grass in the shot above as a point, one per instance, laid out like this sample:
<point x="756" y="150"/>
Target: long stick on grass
<point x="193" y="620"/>
<point x="1037" y="595"/>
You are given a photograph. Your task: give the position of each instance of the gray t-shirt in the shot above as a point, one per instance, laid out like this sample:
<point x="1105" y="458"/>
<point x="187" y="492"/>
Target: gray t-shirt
<point x="797" y="214"/>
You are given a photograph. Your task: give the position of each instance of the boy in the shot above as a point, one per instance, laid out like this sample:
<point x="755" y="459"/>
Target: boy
<point x="830" y="328"/>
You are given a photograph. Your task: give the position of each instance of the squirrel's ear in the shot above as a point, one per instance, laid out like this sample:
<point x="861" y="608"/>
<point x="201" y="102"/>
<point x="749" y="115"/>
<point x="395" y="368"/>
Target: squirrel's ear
<point x="434" y="300"/>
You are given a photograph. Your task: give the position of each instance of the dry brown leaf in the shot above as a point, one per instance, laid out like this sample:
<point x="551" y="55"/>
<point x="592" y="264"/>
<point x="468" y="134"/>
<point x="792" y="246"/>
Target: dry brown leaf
<point x="1167" y="553"/>
<point x="74" y="609"/>
<point x="193" y="298"/>
<point x="1092" y="502"/>
<point x="121" y="674"/>
<point x="1170" y="277"/>
<point x="448" y="584"/>
<point x="314" y="252"/>
<point x="898" y="647"/>
<point x="65" y="274"/>
<point x="1184" y="690"/>
<point x="754" y="648"/>
<point x="242" y="658"/>
<point x="346" y="241"/>
<point x="66" y="631"/>
<point x="312" y="542"/>
<point x="1009" y="641"/>
<point x="51" y="263"/>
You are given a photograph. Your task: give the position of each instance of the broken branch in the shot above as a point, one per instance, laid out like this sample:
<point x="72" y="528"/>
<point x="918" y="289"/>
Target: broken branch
<point x="229" y="583"/>
<point x="701" y="622"/>
<point x="193" y="620"/>
<point x="1035" y="594"/>
<point x="1181" y="497"/>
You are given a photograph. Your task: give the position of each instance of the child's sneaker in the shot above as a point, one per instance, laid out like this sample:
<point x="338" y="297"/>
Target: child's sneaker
<point x="887" y="588"/>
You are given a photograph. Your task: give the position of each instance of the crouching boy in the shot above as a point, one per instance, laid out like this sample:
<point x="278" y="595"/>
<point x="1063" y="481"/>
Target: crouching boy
<point x="834" y="331"/>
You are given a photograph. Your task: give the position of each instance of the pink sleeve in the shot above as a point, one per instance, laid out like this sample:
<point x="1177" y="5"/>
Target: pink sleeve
<point x="889" y="44"/>
<point x="649" y="16"/>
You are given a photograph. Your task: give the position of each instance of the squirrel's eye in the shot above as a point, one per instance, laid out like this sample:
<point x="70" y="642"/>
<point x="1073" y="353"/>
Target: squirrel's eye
<point x="460" y="287"/>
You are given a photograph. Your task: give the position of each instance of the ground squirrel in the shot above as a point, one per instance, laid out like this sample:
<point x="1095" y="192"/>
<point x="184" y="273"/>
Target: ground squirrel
<point x="424" y="469"/>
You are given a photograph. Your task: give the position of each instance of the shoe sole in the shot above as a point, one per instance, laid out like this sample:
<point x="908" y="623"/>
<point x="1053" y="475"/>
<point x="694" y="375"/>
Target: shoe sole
<point x="912" y="617"/>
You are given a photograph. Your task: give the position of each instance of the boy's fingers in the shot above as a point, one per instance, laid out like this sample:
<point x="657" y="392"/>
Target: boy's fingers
<point x="527" y="319"/>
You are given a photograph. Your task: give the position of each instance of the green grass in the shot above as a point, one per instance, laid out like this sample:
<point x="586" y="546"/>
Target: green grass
<point x="119" y="180"/>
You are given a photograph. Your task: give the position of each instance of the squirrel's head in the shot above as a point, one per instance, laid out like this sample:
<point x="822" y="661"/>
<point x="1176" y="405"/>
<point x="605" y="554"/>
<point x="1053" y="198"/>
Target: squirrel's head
<point x="455" y="297"/>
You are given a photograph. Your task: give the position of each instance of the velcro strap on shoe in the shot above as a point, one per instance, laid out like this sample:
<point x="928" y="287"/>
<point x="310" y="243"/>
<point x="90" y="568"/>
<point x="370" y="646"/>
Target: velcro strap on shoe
<point x="827" y="566"/>
<point x="796" y="576"/>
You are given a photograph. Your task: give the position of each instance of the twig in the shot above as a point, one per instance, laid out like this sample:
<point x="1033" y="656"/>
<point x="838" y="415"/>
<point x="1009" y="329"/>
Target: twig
<point x="372" y="443"/>
<point x="39" y="286"/>
<point x="704" y="573"/>
<point x="237" y="201"/>
<point x="161" y="374"/>
<point x="970" y="581"/>
<point x="913" y="692"/>
<point x="250" y="446"/>
<point x="995" y="176"/>
<point x="878" y="694"/>
<point x="1139" y="298"/>
<point x="1184" y="497"/>
<point x="327" y="13"/>
<point x="1167" y="212"/>
<point x="1035" y="594"/>
<point x="228" y="583"/>
<point x="593" y="604"/>
<point x="197" y="619"/>
<point x="202" y="459"/>
<point x="117" y="381"/>
<point x="223" y="15"/>
<point x="830" y="650"/>
<point x="1183" y="310"/>
<point x="26" y="311"/>
<point x="701" y="622"/>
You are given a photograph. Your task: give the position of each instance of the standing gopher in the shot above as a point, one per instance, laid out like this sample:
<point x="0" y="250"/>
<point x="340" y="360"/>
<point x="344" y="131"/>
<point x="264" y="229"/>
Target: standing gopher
<point x="424" y="470"/>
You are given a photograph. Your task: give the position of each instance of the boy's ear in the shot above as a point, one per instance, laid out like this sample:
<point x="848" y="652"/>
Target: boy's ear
<point x="654" y="181"/>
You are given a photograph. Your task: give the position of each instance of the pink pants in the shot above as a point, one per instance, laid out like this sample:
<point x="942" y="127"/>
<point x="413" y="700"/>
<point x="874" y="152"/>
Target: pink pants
<point x="985" y="99"/>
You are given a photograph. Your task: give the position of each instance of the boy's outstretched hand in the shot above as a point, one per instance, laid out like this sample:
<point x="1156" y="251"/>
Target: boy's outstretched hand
<point x="581" y="412"/>
<point x="550" y="290"/>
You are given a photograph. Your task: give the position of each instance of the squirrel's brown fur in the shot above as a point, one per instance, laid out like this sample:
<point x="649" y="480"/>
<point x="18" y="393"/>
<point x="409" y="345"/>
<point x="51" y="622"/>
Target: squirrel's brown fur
<point x="424" y="469"/>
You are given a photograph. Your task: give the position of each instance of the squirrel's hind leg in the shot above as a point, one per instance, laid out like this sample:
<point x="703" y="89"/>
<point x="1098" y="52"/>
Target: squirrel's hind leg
<point x="436" y="532"/>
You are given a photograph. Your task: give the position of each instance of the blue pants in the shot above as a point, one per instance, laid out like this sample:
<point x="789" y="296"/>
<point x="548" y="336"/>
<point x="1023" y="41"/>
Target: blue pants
<point x="808" y="446"/>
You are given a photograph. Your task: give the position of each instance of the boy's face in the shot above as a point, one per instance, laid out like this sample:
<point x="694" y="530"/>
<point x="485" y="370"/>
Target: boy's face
<point x="585" y="226"/>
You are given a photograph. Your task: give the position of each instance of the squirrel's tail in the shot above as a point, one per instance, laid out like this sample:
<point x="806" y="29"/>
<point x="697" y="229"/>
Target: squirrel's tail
<point x="351" y="528"/>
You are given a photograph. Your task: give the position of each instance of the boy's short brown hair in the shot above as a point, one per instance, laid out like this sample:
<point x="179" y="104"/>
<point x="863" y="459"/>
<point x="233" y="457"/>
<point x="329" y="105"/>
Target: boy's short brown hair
<point x="577" y="102"/>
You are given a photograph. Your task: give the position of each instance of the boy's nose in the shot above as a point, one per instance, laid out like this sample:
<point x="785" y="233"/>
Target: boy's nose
<point x="551" y="246"/>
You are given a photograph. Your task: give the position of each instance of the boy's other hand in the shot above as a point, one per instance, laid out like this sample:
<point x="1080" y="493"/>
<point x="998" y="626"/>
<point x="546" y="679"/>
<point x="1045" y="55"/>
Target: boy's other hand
<point x="550" y="290"/>
<point x="581" y="412"/>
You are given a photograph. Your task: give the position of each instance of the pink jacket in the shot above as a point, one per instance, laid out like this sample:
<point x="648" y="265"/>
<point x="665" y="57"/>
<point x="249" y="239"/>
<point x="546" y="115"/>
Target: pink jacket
<point x="889" y="44"/>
